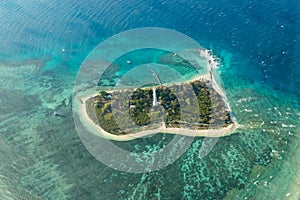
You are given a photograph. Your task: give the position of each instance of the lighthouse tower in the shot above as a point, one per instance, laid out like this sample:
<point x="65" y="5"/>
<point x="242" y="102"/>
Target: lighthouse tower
<point x="154" y="97"/>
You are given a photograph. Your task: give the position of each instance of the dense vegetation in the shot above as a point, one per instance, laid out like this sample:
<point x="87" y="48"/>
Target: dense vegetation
<point x="196" y="105"/>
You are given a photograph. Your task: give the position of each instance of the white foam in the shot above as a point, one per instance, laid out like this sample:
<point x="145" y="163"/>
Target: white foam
<point x="209" y="56"/>
<point x="266" y="183"/>
<point x="244" y="100"/>
<point x="286" y="126"/>
<point x="275" y="154"/>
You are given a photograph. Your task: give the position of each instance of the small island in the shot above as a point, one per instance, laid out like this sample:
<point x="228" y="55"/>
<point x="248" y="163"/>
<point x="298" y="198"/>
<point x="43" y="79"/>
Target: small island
<point x="160" y="109"/>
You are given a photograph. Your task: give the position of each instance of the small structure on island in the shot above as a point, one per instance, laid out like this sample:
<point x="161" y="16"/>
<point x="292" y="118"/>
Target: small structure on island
<point x="154" y="97"/>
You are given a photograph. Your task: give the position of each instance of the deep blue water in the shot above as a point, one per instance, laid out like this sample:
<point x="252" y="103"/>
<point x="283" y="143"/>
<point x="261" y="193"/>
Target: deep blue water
<point x="263" y="33"/>
<point x="257" y="41"/>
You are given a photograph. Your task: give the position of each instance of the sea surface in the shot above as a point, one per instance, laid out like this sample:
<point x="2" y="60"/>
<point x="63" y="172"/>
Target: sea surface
<point x="42" y="46"/>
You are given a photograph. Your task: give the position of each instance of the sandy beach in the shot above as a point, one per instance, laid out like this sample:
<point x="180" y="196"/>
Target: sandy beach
<point x="96" y="129"/>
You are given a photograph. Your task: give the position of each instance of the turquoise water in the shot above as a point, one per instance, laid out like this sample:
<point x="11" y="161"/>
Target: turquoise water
<point x="42" y="47"/>
<point x="141" y="61"/>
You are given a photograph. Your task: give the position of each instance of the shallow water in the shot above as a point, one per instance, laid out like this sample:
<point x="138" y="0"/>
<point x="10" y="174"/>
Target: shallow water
<point x="42" y="47"/>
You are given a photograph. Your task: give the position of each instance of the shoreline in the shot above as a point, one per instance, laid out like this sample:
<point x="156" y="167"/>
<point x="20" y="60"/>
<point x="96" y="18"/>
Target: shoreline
<point x="98" y="130"/>
<point x="95" y="128"/>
